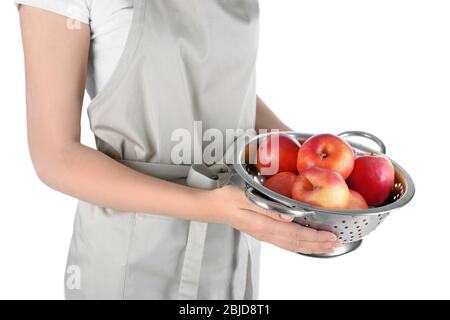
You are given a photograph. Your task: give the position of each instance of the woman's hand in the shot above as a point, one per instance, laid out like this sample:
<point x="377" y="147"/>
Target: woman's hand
<point x="233" y="208"/>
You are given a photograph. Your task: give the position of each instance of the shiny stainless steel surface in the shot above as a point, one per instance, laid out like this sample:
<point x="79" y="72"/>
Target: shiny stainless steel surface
<point x="350" y="226"/>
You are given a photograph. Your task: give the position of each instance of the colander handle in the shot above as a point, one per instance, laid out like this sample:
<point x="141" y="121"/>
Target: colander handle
<point x="362" y="134"/>
<point x="272" y="205"/>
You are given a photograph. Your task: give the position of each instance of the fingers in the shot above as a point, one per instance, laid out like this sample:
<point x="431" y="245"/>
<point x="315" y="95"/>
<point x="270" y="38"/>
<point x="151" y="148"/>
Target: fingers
<point x="293" y="237"/>
<point x="305" y="240"/>
<point x="316" y="247"/>
<point x="274" y="227"/>
<point x="307" y="234"/>
<point x="307" y="247"/>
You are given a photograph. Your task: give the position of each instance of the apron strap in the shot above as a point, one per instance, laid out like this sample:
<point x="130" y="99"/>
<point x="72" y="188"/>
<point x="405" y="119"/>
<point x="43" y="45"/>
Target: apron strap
<point x="196" y="176"/>
<point x="192" y="264"/>
<point x="202" y="177"/>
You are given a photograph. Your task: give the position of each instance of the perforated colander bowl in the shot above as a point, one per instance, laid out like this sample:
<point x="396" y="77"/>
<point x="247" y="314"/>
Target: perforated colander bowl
<point x="350" y="226"/>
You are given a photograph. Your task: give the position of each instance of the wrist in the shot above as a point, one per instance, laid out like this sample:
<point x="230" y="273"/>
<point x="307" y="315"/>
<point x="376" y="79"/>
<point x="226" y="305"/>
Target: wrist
<point x="205" y="206"/>
<point x="215" y="208"/>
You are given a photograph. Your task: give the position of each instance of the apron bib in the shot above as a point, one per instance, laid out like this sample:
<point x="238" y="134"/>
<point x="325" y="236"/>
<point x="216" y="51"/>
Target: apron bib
<point x="184" y="61"/>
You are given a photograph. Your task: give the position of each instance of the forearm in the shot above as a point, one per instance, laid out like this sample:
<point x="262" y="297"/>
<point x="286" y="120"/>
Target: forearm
<point x="266" y="119"/>
<point x="93" y="177"/>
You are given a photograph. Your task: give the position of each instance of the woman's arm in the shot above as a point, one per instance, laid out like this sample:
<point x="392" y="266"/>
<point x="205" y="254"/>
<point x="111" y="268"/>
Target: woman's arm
<point x="266" y="119"/>
<point x="55" y="62"/>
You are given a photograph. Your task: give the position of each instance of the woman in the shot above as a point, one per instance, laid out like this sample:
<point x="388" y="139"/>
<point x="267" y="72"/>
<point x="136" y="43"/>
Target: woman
<point x="145" y="227"/>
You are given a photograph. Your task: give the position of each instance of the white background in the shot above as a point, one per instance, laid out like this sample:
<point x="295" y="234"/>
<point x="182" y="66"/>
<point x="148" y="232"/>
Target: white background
<point x="325" y="66"/>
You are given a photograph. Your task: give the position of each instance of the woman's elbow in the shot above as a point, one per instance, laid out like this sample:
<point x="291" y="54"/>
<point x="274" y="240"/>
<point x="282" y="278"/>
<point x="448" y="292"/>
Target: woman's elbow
<point x="45" y="171"/>
<point x="49" y="167"/>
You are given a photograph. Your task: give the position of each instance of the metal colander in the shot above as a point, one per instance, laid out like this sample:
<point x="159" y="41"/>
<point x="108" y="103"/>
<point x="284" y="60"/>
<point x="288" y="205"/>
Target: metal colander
<point x="350" y="226"/>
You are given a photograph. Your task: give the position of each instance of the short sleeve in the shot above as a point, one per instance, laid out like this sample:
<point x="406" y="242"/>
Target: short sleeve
<point x="74" y="9"/>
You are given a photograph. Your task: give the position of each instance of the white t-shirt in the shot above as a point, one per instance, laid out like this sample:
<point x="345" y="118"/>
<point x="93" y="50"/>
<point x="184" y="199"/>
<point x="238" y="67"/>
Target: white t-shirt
<point x="110" y="22"/>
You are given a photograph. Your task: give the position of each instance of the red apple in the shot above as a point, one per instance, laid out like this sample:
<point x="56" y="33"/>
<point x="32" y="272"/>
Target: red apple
<point x="281" y="183"/>
<point x="277" y="153"/>
<point x="321" y="188"/>
<point x="326" y="151"/>
<point x="357" y="202"/>
<point x="373" y="177"/>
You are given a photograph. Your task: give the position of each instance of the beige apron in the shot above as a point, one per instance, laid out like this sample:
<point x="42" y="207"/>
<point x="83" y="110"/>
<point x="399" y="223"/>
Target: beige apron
<point x="184" y="61"/>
